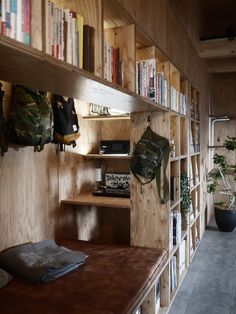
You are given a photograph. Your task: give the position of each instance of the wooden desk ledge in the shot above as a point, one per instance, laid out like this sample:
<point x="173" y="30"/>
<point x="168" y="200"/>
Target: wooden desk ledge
<point x="114" y="280"/>
<point x="100" y="201"/>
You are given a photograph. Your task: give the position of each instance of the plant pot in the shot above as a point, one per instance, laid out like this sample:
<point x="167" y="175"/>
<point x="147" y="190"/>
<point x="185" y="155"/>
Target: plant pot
<point x="225" y="219"/>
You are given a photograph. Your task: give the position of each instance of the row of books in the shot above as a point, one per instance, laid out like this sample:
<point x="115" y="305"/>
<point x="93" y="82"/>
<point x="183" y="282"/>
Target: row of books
<point x="175" y="231"/>
<point x="113" y="64"/>
<point x="63" y="34"/>
<point x="182" y="255"/>
<point x="181" y="266"/>
<point x="150" y="83"/>
<point x="15" y="19"/>
<point x="178" y="101"/>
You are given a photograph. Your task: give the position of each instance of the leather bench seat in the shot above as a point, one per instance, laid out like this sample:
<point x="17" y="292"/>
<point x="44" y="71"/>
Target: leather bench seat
<point x="113" y="280"/>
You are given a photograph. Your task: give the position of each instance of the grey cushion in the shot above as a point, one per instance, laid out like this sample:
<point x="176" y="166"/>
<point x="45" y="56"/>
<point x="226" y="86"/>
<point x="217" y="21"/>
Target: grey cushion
<point x="42" y="261"/>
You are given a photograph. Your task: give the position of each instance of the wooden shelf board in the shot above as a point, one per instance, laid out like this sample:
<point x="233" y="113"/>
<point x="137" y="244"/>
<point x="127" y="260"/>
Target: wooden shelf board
<point x="21" y="64"/>
<point x="107" y="117"/>
<point x="178" y="158"/>
<point x="163" y="310"/>
<point x="183" y="234"/>
<point x="108" y="156"/>
<point x="173" y="250"/>
<point x="194" y="187"/>
<point x="173" y="112"/>
<point x="195" y="120"/>
<point x="99" y="201"/>
<point x="195" y="154"/>
<point x="173" y="204"/>
<point x="195" y="219"/>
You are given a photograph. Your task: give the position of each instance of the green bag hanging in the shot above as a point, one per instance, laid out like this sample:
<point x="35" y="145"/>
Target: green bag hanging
<point x="150" y="158"/>
<point x="30" y="122"/>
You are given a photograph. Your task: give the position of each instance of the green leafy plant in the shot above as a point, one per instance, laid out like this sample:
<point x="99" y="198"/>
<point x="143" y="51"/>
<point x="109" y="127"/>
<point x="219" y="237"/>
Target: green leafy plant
<point x="185" y="193"/>
<point x="218" y="177"/>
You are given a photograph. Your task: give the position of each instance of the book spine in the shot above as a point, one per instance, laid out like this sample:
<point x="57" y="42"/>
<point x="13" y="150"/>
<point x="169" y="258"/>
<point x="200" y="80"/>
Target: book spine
<point x="8" y="18"/>
<point x="92" y="52"/>
<point x="86" y="48"/>
<point x="80" y="22"/>
<point x="3" y="22"/>
<point x="19" y="36"/>
<point x="27" y="21"/>
<point x="13" y="12"/>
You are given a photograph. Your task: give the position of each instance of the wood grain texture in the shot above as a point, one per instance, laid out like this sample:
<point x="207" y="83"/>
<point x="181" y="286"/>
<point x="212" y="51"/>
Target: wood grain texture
<point x="146" y="211"/>
<point x="29" y="196"/>
<point x="100" y="201"/>
<point x="149" y="303"/>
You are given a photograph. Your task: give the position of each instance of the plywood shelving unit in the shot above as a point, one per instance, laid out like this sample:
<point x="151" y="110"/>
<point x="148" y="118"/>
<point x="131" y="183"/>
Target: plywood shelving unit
<point x="174" y="114"/>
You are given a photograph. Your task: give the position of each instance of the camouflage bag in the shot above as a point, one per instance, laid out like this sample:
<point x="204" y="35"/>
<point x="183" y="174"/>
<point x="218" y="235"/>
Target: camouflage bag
<point x="30" y="122"/>
<point x="150" y="160"/>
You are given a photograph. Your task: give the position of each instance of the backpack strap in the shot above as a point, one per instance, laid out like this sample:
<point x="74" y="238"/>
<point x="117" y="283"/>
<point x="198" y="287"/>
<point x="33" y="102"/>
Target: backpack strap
<point x="3" y="144"/>
<point x="164" y="163"/>
<point x="161" y="170"/>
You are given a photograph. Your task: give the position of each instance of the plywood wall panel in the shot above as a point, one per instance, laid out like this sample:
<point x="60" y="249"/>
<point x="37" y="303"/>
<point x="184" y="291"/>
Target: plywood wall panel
<point x="28" y="196"/>
<point x="224" y="95"/>
<point x="146" y="211"/>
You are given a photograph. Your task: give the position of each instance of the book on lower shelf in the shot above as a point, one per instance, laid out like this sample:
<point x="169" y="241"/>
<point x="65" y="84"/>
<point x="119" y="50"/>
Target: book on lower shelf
<point x="182" y="253"/>
<point x="182" y="104"/>
<point x="158" y="296"/>
<point x="161" y="89"/>
<point x="177" y="228"/>
<point x="171" y="232"/>
<point x="174" y="99"/>
<point x="138" y="311"/>
<point x="191" y="211"/>
<point x="191" y="244"/>
<point x="173" y="274"/>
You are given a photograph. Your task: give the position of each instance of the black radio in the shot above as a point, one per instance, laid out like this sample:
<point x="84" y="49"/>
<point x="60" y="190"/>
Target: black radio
<point x="114" y="147"/>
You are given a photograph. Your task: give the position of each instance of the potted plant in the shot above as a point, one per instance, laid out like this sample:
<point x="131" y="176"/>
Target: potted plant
<point x="222" y="180"/>
<point x="185" y="199"/>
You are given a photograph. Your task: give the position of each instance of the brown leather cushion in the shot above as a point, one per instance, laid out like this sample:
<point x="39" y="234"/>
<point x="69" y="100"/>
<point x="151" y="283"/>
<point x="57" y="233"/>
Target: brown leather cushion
<point x="112" y="280"/>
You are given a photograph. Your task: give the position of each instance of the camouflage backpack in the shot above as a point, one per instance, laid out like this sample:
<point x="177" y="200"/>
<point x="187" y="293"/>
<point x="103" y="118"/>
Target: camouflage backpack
<point x="150" y="160"/>
<point x="30" y="122"/>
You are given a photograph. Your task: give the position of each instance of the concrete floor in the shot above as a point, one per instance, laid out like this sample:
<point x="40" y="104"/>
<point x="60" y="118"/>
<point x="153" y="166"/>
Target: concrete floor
<point x="210" y="284"/>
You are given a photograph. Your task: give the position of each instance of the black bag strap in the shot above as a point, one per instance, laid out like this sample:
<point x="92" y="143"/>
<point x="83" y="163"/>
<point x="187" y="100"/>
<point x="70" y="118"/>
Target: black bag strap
<point x="3" y="144"/>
